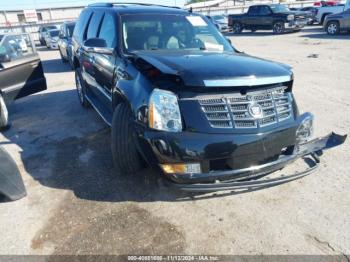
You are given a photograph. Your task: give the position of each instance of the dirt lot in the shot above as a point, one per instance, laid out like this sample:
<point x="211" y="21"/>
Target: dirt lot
<point x="76" y="204"/>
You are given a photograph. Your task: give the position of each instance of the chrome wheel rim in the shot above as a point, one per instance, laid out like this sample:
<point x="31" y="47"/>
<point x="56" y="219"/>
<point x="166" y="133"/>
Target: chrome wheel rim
<point x="236" y="27"/>
<point x="278" y="28"/>
<point x="79" y="88"/>
<point x="332" y="28"/>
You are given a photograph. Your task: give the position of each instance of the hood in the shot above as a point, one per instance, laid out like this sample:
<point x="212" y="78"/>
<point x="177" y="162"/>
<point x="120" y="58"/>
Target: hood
<point x="198" y="68"/>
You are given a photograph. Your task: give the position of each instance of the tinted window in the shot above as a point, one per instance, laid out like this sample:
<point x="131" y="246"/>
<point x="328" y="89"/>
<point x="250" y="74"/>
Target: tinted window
<point x="94" y="25"/>
<point x="70" y="29"/>
<point x="16" y="47"/>
<point x="264" y="10"/>
<point x="81" y="25"/>
<point x="108" y="30"/>
<point x="253" y="10"/>
<point x="175" y="32"/>
<point x="54" y="33"/>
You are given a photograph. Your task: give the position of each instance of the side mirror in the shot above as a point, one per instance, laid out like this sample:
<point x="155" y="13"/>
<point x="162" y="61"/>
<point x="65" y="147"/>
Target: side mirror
<point x="97" y="45"/>
<point x="4" y="58"/>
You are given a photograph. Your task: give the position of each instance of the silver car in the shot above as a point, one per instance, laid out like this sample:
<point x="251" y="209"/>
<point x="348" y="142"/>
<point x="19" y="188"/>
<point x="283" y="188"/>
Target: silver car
<point x="51" y="38"/>
<point x="336" y="23"/>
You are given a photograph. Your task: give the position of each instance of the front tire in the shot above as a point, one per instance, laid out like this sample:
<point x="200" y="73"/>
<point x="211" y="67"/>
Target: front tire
<point x="237" y="28"/>
<point x="333" y="28"/>
<point x="4" y="123"/>
<point x="126" y="157"/>
<point x="278" y="28"/>
<point x="81" y="90"/>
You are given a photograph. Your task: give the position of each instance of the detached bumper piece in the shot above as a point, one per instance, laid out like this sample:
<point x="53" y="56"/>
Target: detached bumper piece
<point x="256" y="177"/>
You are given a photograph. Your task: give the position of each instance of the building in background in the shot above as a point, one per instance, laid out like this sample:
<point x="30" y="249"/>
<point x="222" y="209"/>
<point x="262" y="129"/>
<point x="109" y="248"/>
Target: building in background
<point x="29" y="20"/>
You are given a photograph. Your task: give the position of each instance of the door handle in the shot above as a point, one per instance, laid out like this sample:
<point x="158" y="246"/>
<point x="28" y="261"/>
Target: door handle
<point x="92" y="60"/>
<point x="121" y="74"/>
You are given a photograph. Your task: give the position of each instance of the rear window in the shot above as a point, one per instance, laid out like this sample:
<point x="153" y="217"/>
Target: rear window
<point x="94" y="25"/>
<point x="54" y="33"/>
<point x="70" y="29"/>
<point x="80" y="26"/>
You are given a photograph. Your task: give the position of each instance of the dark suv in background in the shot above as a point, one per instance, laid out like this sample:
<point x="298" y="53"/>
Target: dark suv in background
<point x="179" y="97"/>
<point x="65" y="41"/>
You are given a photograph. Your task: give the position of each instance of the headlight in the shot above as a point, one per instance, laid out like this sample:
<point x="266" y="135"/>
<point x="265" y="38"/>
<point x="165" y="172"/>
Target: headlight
<point x="290" y="17"/>
<point x="305" y="129"/>
<point x="164" y="112"/>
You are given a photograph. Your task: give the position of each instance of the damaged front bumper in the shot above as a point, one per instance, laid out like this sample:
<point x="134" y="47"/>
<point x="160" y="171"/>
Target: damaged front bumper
<point x="256" y="176"/>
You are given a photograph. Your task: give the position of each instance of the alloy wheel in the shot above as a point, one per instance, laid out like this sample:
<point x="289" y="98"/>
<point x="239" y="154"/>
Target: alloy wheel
<point x="332" y="28"/>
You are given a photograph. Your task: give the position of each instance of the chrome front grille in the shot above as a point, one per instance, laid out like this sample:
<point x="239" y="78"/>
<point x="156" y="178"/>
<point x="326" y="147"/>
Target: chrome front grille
<point x="252" y="110"/>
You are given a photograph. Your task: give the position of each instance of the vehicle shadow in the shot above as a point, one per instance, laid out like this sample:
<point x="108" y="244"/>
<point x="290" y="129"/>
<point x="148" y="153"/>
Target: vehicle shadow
<point x="324" y="35"/>
<point x="248" y="33"/>
<point x="44" y="49"/>
<point x="63" y="146"/>
<point x="51" y="66"/>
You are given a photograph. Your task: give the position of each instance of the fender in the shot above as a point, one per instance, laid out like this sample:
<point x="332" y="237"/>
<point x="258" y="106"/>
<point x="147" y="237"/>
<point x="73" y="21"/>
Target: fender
<point x="133" y="88"/>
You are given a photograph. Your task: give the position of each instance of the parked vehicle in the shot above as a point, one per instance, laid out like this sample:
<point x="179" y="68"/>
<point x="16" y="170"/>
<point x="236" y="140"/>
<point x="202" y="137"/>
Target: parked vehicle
<point x="327" y="3"/>
<point x="65" y="41"/>
<point x="51" y="38"/>
<point x="324" y="11"/>
<point x="220" y="21"/>
<point x="179" y="97"/>
<point x="265" y="17"/>
<point x="310" y="13"/>
<point x="42" y="32"/>
<point x="21" y="71"/>
<point x="336" y="23"/>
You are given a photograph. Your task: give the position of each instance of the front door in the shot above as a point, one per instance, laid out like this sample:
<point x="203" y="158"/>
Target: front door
<point x="21" y="71"/>
<point x="104" y="65"/>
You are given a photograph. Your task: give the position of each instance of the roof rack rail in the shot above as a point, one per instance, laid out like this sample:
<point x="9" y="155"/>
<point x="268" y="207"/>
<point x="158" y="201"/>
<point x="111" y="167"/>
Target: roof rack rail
<point x="144" y="4"/>
<point x="101" y="5"/>
<point x="111" y="4"/>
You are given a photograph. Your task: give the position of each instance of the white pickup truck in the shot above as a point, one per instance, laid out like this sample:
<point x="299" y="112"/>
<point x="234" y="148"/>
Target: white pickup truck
<point x="328" y="10"/>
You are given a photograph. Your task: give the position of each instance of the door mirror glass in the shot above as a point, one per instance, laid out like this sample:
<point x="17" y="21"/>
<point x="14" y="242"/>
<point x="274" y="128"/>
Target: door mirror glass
<point x="4" y="58"/>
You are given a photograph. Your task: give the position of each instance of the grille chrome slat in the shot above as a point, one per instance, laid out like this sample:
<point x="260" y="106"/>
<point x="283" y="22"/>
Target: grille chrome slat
<point x="232" y="110"/>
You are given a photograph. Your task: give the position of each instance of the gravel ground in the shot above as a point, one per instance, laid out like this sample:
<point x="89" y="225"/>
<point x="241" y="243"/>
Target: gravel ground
<point x="76" y="205"/>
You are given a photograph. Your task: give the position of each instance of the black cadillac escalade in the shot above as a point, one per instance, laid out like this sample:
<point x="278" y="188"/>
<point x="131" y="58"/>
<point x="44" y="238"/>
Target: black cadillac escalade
<point x="180" y="98"/>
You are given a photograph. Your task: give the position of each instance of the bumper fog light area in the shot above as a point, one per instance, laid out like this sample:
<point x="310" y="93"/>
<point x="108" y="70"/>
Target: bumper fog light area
<point x="181" y="168"/>
<point x="305" y="129"/>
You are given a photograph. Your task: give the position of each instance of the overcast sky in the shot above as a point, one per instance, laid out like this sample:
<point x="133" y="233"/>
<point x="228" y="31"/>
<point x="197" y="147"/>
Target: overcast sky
<point x="29" y="4"/>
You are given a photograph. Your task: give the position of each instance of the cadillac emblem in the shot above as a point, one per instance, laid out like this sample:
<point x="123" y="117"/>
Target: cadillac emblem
<point x="255" y="110"/>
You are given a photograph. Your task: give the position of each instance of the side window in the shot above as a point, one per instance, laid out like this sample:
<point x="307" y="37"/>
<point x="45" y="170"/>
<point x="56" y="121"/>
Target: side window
<point x="94" y="25"/>
<point x="15" y="47"/>
<point x="108" y="31"/>
<point x="253" y="10"/>
<point x="81" y="25"/>
<point x="264" y="10"/>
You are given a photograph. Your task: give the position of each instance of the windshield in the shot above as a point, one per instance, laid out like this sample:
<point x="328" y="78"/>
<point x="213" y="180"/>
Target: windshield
<point x="70" y="29"/>
<point x="54" y="33"/>
<point x="50" y="27"/>
<point x="171" y="32"/>
<point x="219" y="17"/>
<point x="279" y="8"/>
